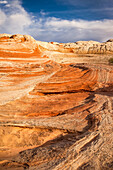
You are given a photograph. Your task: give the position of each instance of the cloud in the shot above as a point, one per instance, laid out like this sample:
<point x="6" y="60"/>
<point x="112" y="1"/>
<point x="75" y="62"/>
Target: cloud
<point x="2" y="18"/>
<point x="3" y="2"/>
<point x="7" y="5"/>
<point x="15" y="19"/>
<point x="72" y="11"/>
<point x="43" y="13"/>
<point x="56" y="29"/>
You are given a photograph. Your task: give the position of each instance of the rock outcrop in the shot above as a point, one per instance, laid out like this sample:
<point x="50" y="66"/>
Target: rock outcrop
<point x="56" y="104"/>
<point x="80" y="47"/>
<point x="17" y="43"/>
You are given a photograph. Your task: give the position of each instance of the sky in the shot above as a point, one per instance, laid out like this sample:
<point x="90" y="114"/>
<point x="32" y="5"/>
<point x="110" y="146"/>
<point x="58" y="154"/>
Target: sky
<point x="58" y="20"/>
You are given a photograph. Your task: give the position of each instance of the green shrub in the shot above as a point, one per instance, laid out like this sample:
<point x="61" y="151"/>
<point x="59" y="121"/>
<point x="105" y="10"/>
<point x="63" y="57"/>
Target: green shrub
<point x="111" y="60"/>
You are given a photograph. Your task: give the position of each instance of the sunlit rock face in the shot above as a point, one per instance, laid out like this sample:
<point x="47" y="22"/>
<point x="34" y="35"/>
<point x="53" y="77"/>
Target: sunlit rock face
<point x="56" y="104"/>
<point x="80" y="47"/>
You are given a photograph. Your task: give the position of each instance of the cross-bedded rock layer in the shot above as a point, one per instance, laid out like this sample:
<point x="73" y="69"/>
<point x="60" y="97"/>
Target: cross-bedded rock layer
<point x="56" y="105"/>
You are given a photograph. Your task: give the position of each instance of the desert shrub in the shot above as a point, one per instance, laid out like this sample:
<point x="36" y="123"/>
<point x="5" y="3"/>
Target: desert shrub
<point x="111" y="60"/>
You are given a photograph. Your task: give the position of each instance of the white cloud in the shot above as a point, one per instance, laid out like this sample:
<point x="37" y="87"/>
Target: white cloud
<point x="2" y="17"/>
<point x="56" y="29"/>
<point x="7" y="5"/>
<point x="43" y="13"/>
<point x="3" y="2"/>
<point x="15" y="19"/>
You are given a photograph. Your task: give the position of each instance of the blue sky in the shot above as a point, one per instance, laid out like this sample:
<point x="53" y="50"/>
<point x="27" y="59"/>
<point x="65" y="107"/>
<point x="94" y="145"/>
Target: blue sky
<point x="71" y="9"/>
<point x="58" y="20"/>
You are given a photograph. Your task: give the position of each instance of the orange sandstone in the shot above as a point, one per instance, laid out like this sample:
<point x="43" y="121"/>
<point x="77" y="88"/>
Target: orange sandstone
<point x="56" y="104"/>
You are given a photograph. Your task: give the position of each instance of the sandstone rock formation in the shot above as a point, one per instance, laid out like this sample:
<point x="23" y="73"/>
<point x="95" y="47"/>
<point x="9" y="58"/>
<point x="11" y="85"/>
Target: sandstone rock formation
<point x="81" y="47"/>
<point x="56" y="104"/>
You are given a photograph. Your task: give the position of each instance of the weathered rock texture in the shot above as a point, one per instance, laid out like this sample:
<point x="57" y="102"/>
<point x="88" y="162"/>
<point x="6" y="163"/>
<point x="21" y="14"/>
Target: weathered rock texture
<point x="56" y="104"/>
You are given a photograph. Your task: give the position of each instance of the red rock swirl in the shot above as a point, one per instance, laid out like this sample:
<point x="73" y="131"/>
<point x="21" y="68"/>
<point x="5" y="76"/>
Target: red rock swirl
<point x="56" y="104"/>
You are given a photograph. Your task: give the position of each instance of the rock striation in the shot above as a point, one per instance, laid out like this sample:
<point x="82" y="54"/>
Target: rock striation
<point x="56" y="104"/>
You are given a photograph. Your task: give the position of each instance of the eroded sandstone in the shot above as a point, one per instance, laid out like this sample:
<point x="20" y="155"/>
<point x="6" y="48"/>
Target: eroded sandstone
<point x="56" y="104"/>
